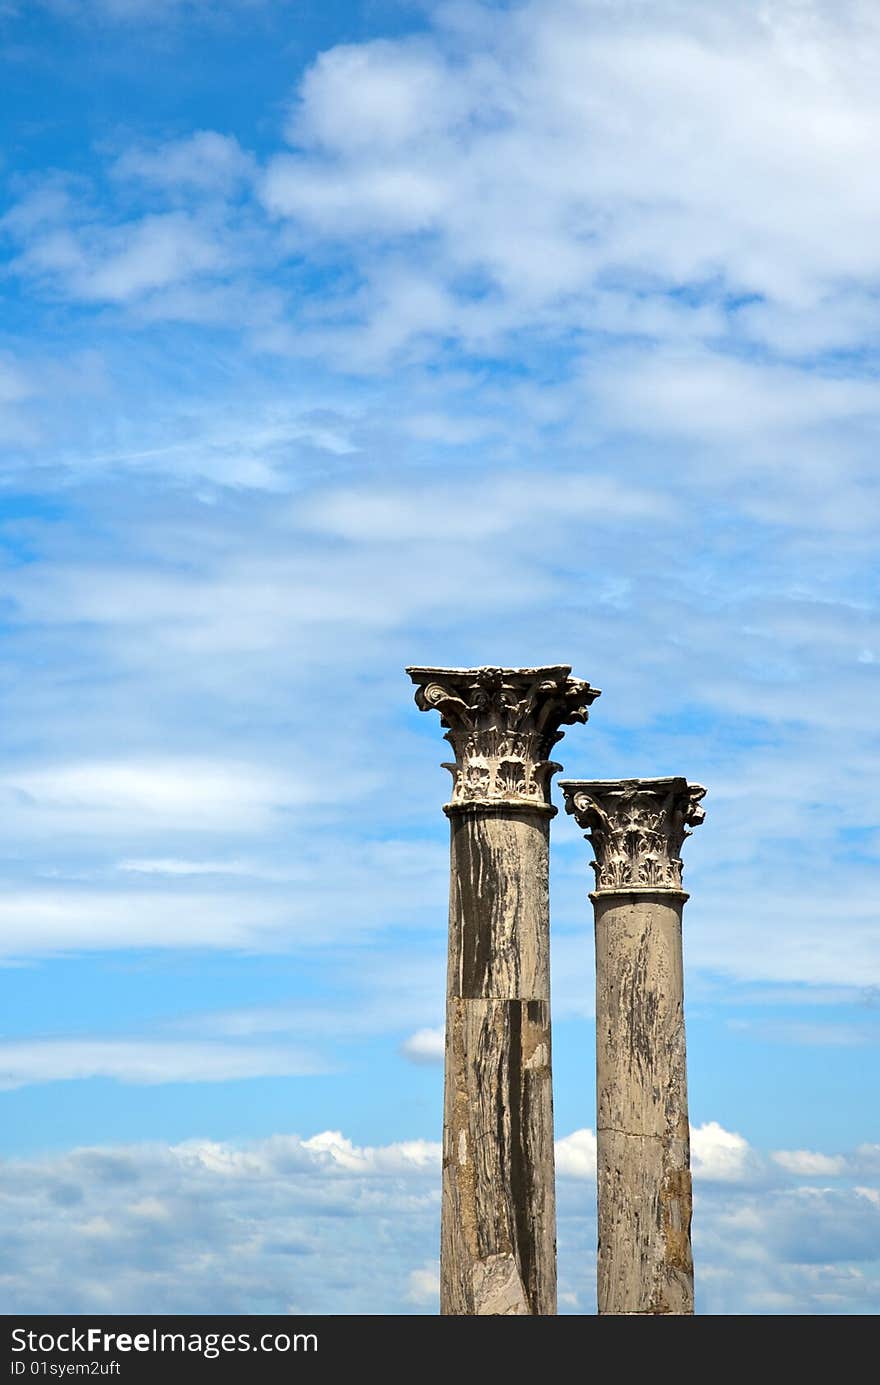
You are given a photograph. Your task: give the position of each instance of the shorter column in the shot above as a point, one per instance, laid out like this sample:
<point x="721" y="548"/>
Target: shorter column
<point x="636" y="828"/>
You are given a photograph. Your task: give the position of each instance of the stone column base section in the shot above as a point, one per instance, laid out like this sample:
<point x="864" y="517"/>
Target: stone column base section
<point x="637" y="828"/>
<point x="498" y="1223"/>
<point x="498" y="1237"/>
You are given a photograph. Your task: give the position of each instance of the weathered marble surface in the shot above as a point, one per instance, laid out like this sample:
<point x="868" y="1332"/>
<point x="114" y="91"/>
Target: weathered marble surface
<point x="498" y="1234"/>
<point x="644" y="1187"/>
<point x="499" y="911"/>
<point x="636" y="828"/>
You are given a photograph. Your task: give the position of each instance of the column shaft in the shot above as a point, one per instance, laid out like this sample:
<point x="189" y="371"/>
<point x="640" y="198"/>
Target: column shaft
<point x="636" y="828"/>
<point x="498" y="1223"/>
<point x="644" y="1181"/>
<point x="498" y="1236"/>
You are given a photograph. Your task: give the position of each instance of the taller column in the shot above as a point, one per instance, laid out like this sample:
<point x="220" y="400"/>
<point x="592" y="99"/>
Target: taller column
<point x="636" y="828"/>
<point x="498" y="1231"/>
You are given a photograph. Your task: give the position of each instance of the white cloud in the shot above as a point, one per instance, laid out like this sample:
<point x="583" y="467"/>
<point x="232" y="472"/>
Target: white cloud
<point x="701" y="395"/>
<point x="115" y="264"/>
<point x="226" y="449"/>
<point x="175" y="866"/>
<point x="560" y="150"/>
<point x="867" y="1158"/>
<point x="331" y="1227"/>
<point x="545" y="168"/>
<point x="94" y="261"/>
<point x="152" y="254"/>
<point x="402" y="92"/>
<point x="70" y="900"/>
<point x="424" y="1046"/>
<point x="384" y="200"/>
<point x="205" y="160"/>
<point x="298" y="597"/>
<point x="811" y="1033"/>
<point x="491" y="508"/>
<point x="176" y="793"/>
<point x="377" y="996"/>
<point x="719" y="1155"/>
<point x="424" y="1286"/>
<point x="16" y="388"/>
<point x="334" y="1151"/>
<point x="303" y="911"/>
<point x="576" y="1155"/>
<point x="265" y="600"/>
<point x="144" y="1061"/>
<point x="227" y="1227"/>
<point x="750" y="951"/>
<point x="47" y="203"/>
<point x="14" y="384"/>
<point x="807" y="1163"/>
<point x="75" y="919"/>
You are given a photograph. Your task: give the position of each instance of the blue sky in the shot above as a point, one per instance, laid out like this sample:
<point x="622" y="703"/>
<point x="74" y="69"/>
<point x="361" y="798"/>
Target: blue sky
<point x="340" y="337"/>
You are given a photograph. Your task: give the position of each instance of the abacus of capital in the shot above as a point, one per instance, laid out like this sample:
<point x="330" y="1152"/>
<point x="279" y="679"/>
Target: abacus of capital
<point x="498" y="1221"/>
<point x="636" y="828"/>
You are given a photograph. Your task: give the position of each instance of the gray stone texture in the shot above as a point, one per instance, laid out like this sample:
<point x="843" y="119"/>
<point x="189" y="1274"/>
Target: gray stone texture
<point x="498" y="1231"/>
<point x="636" y="828"/>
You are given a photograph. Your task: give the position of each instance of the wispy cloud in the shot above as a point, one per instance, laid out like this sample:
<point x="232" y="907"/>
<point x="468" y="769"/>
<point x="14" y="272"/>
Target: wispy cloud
<point x="205" y="161"/>
<point x="809" y="1163"/>
<point x="811" y="1034"/>
<point x="145" y="1061"/>
<point x="176" y="793"/>
<point x="115" y="264"/>
<point x="76" y="918"/>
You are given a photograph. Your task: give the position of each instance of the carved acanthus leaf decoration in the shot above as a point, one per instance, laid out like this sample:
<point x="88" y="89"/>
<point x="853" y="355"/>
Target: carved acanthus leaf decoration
<point x="502" y="724"/>
<point x="636" y="828"/>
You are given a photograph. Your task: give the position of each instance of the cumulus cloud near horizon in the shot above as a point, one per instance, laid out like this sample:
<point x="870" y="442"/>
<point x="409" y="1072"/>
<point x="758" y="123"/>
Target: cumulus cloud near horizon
<point x="211" y="1225"/>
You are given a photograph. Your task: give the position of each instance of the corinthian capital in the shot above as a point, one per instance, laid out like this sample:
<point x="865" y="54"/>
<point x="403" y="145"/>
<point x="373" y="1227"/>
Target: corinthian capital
<point x="502" y="724"/>
<point x="636" y="827"/>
